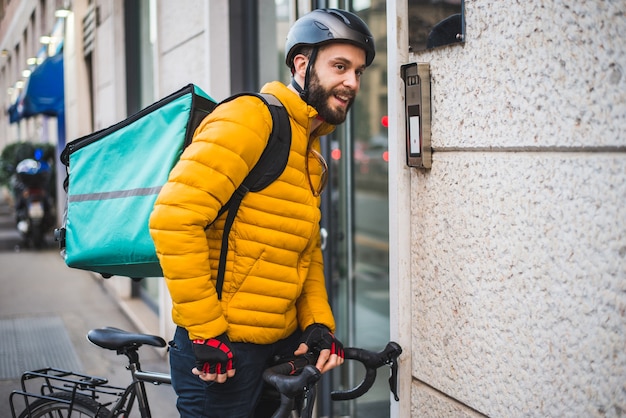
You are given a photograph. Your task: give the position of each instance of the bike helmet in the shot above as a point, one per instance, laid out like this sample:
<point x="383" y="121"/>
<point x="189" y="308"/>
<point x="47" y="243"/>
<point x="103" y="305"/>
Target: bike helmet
<point x="324" y="26"/>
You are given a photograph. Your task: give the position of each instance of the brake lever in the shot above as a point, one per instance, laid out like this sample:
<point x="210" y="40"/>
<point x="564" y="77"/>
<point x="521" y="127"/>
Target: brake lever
<point x="393" y="379"/>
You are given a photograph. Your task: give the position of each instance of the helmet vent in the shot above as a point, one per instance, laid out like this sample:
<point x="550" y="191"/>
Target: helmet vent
<point x="321" y="26"/>
<point x="339" y="16"/>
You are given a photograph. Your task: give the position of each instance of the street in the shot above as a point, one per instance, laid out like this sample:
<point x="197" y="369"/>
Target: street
<point x="46" y="310"/>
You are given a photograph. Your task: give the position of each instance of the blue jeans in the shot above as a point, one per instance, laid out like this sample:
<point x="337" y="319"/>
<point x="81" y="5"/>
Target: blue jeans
<point x="239" y="396"/>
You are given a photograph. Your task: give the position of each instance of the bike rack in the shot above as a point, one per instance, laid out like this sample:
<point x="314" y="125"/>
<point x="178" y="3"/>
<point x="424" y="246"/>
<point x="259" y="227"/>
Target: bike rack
<point x="60" y="380"/>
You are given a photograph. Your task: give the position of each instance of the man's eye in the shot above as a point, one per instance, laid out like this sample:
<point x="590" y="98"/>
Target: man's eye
<point x="340" y="67"/>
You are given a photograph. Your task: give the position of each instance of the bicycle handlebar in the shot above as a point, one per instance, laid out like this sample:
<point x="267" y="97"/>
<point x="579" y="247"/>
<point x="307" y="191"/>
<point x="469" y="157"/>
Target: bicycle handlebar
<point x="290" y="379"/>
<point x="372" y="361"/>
<point x="295" y="376"/>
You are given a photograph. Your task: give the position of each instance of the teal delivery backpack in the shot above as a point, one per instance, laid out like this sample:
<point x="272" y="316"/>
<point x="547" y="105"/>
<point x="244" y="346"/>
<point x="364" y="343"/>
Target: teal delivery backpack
<point x="114" y="176"/>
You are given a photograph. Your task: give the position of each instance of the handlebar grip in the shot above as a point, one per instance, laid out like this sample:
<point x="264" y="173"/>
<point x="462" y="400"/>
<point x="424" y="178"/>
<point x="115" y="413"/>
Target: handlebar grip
<point x="358" y="391"/>
<point x="288" y="368"/>
<point x="288" y="385"/>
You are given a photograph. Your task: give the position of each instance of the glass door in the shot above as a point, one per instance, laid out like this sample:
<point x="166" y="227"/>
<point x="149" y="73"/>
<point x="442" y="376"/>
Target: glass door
<point x="357" y="218"/>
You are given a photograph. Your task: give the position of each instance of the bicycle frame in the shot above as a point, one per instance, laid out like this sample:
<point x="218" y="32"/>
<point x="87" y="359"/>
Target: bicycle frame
<point x="137" y="389"/>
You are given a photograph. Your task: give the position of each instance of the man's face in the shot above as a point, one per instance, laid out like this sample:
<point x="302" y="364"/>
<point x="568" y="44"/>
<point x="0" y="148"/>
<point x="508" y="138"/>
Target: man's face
<point x="335" y="80"/>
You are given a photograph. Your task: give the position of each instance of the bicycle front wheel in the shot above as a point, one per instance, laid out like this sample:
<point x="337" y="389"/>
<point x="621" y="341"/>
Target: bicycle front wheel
<point x="81" y="406"/>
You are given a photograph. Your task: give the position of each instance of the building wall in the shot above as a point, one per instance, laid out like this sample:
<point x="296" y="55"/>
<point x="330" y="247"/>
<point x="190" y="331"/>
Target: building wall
<point x="109" y="64"/>
<point x="195" y="52"/>
<point x="78" y="122"/>
<point x="516" y="266"/>
<point x="21" y="26"/>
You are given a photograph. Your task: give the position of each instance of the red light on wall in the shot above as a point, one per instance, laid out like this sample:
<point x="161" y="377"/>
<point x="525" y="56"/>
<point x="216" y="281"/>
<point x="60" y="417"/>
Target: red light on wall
<point x="385" y="121"/>
<point x="386" y="156"/>
<point x="335" y="154"/>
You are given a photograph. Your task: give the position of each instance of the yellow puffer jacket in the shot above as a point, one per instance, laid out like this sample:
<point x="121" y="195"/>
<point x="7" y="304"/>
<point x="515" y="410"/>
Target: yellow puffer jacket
<point x="274" y="279"/>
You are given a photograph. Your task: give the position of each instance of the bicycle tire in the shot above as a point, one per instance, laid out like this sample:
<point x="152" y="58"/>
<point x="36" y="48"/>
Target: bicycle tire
<point x="82" y="406"/>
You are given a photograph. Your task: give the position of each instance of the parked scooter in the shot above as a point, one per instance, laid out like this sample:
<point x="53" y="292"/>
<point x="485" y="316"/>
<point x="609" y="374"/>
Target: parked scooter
<point x="32" y="206"/>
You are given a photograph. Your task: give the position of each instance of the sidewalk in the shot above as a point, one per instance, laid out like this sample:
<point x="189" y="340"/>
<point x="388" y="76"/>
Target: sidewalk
<point x="46" y="310"/>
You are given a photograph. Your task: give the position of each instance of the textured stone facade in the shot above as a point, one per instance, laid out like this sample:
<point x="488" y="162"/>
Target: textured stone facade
<point x="518" y="242"/>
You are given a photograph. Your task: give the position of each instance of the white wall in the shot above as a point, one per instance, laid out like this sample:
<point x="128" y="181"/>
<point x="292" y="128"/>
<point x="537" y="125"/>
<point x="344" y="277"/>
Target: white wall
<point x="77" y="101"/>
<point x="195" y="52"/>
<point x="109" y="66"/>
<point x="518" y="233"/>
<point x="108" y="63"/>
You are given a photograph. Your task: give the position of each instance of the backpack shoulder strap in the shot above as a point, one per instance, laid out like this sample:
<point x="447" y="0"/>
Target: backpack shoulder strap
<point x="274" y="158"/>
<point x="270" y="166"/>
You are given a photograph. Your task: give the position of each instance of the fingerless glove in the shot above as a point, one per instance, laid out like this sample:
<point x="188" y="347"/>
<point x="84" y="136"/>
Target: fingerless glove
<point x="213" y="355"/>
<point x="319" y="337"/>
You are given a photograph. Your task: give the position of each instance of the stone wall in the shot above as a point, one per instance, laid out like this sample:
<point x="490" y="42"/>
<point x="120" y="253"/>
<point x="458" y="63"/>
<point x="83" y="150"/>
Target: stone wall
<point x="519" y="230"/>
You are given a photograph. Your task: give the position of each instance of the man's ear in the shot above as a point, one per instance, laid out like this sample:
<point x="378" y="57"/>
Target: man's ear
<point x="300" y="62"/>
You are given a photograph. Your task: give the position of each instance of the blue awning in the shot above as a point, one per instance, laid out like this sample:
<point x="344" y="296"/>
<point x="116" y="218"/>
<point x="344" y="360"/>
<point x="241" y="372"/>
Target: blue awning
<point x="45" y="90"/>
<point x="14" y="114"/>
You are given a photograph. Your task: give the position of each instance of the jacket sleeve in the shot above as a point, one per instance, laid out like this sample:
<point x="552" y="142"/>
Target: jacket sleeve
<point x="225" y="146"/>
<point x="312" y="305"/>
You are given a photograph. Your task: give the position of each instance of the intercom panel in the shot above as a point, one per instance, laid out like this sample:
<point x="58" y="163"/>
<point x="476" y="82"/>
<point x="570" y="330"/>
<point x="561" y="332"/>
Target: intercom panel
<point x="416" y="78"/>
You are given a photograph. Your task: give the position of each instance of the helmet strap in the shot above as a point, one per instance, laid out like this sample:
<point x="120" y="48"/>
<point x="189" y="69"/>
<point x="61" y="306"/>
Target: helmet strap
<point x="296" y="86"/>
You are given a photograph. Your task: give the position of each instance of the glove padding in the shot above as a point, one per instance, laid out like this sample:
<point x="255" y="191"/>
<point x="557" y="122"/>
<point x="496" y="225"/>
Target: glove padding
<point x="213" y="355"/>
<point x="318" y="337"/>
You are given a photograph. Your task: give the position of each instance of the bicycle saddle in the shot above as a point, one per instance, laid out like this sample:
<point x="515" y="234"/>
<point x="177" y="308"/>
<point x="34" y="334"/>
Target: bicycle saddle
<point x="116" y="339"/>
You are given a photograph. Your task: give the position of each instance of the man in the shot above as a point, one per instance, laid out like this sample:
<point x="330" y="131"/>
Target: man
<point x="274" y="300"/>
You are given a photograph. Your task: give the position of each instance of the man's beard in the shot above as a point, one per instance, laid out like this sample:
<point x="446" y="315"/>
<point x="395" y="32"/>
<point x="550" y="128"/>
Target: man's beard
<point x="318" y="98"/>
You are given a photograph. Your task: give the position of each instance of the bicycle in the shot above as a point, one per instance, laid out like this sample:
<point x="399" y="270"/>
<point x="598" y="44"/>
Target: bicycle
<point x="293" y="381"/>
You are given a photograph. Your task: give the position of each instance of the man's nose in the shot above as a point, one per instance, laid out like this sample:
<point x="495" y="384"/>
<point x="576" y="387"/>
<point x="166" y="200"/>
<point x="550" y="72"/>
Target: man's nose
<point x="352" y="80"/>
